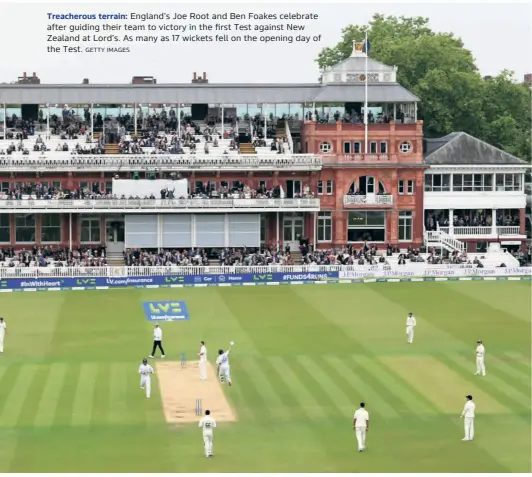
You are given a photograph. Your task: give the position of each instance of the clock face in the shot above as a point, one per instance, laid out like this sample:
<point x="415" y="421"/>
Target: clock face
<point x="362" y="78"/>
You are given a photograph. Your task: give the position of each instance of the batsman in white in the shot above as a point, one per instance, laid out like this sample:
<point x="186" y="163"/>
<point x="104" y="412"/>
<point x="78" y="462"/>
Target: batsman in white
<point x="480" y="352"/>
<point x="207" y="425"/>
<point x="203" y="361"/>
<point x="3" y="331"/>
<point x="222" y="363"/>
<point x="410" y="325"/>
<point x="145" y="371"/>
<point x="361" y="425"/>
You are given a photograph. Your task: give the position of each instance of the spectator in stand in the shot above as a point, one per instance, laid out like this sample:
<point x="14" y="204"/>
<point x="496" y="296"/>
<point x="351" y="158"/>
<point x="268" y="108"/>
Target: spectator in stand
<point x="53" y="257"/>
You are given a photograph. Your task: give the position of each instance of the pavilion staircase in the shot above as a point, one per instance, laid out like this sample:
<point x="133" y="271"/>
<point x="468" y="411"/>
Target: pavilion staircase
<point x="111" y="149"/>
<point x="280" y="129"/>
<point x="440" y="239"/>
<point x="247" y="148"/>
<point x="115" y="259"/>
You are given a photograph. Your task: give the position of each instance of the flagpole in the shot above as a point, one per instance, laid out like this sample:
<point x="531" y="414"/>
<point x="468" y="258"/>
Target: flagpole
<point x="366" y="98"/>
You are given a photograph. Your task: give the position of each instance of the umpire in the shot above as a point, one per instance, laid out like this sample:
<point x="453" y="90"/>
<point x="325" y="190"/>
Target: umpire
<point x="157" y="341"/>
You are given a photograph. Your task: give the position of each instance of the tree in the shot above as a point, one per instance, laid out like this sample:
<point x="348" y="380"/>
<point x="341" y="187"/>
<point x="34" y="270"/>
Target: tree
<point x="438" y="69"/>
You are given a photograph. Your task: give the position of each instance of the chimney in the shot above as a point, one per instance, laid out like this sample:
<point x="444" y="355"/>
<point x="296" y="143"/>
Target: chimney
<point x="195" y="76"/>
<point x="34" y="74"/>
<point x="24" y="75"/>
<point x="204" y="76"/>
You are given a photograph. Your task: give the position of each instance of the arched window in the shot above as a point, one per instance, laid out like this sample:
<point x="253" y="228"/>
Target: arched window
<point x="366" y="185"/>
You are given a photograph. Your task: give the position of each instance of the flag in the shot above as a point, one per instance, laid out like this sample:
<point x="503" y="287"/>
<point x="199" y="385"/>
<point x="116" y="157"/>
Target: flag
<point x="366" y="46"/>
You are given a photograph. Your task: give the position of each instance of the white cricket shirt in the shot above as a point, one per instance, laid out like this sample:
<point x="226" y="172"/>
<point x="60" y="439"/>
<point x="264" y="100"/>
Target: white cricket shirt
<point x="203" y="353"/>
<point x="157" y="334"/>
<point x="145" y="370"/>
<point x="362" y="417"/>
<point x="207" y="424"/>
<point x="469" y="409"/>
<point x="223" y="359"/>
<point x="480" y="351"/>
<point x="410" y="321"/>
<point x="3" y="327"/>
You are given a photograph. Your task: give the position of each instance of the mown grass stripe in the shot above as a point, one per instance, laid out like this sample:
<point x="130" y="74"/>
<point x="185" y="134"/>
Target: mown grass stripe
<point x="507" y="372"/>
<point x="249" y="392"/>
<point x="50" y="395"/>
<point x="341" y="401"/>
<point x="17" y="395"/>
<point x="118" y="403"/>
<point x="491" y="381"/>
<point x="274" y="405"/>
<point x="238" y="400"/>
<point x="415" y="404"/>
<point x="82" y="408"/>
<point x="363" y="389"/>
<point x="100" y="403"/>
<point x="519" y="361"/>
<point x="304" y="397"/>
<point x="3" y="371"/>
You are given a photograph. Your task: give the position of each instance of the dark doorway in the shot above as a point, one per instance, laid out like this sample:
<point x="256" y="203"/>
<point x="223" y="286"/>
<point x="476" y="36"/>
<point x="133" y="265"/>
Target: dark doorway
<point x="199" y="111"/>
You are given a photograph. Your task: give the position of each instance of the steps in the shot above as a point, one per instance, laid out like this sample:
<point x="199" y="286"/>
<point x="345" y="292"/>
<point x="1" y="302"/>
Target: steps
<point x="115" y="259"/>
<point x="439" y="239"/>
<point x="280" y="129"/>
<point x="247" y="148"/>
<point x="297" y="257"/>
<point x="111" y="149"/>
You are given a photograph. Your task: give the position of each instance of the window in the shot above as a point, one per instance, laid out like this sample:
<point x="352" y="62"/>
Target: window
<point x="25" y="228"/>
<point x="4" y="187"/>
<point x="410" y="189"/>
<point x="405" y="226"/>
<point x="383" y="147"/>
<point x="401" y="187"/>
<point x="325" y="147"/>
<point x="320" y="187"/>
<point x="56" y="185"/>
<point x="508" y="182"/>
<point x="472" y="182"/>
<point x="405" y="147"/>
<point x="437" y="182"/>
<point x="51" y="228"/>
<point x="324" y="226"/>
<point x="5" y="229"/>
<point x="373" y="147"/>
<point x="108" y="187"/>
<point x="329" y="189"/>
<point x="83" y="185"/>
<point x="262" y="228"/>
<point x="90" y="229"/>
<point x="366" y="226"/>
<point x="347" y="148"/>
<point x="357" y="147"/>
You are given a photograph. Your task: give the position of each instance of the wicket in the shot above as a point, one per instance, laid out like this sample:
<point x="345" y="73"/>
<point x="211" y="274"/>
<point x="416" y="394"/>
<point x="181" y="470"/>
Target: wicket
<point x="183" y="359"/>
<point x="198" y="407"/>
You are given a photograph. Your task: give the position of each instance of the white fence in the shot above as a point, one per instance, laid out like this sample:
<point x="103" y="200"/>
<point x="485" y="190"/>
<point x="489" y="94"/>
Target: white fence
<point x="158" y="204"/>
<point x="151" y="162"/>
<point x="415" y="269"/>
<point x="480" y="231"/>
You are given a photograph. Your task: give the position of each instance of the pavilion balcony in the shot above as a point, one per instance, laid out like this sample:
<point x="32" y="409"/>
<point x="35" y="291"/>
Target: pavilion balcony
<point x="159" y="205"/>
<point x="369" y="199"/>
<point x="57" y="162"/>
<point x="489" y="232"/>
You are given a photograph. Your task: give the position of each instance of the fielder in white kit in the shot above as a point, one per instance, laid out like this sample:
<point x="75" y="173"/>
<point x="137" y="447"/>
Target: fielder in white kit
<point x="480" y="352"/>
<point x="468" y="414"/>
<point x="203" y="361"/>
<point x="145" y="371"/>
<point x="207" y="425"/>
<point x="222" y="363"/>
<point x="3" y="329"/>
<point x="361" y="425"/>
<point x="410" y="325"/>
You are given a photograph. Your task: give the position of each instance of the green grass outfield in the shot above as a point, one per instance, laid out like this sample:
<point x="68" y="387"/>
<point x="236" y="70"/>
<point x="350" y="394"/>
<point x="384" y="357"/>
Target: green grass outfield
<point x="304" y="358"/>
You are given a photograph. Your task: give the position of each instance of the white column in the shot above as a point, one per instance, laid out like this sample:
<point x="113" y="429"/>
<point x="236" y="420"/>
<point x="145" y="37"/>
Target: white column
<point x="179" y="120"/>
<point x="70" y="231"/>
<point x="394" y="111"/>
<point x="277" y="233"/>
<point x="451" y="221"/>
<point x="265" y="113"/>
<point x="415" y="112"/>
<point x="135" y="105"/>
<point x="494" y="223"/>
<point x="47" y="120"/>
<point x="5" y="121"/>
<point x="222" y="121"/>
<point x="92" y="121"/>
<point x="316" y="230"/>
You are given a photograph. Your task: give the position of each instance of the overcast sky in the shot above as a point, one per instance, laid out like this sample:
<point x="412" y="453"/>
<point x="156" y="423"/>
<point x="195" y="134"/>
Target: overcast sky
<point x="499" y="35"/>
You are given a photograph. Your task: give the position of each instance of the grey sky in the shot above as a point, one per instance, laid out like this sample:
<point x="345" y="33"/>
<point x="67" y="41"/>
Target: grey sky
<point x="499" y="35"/>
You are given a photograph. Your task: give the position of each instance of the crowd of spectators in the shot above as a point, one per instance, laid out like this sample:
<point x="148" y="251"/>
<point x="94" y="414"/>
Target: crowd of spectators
<point x="472" y="219"/>
<point x="50" y="256"/>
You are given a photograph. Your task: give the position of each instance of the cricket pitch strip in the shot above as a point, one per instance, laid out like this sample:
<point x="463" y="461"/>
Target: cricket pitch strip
<point x="181" y="386"/>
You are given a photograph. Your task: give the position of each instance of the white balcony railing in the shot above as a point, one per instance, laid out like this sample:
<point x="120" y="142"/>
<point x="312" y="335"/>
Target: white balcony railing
<point x="368" y="199"/>
<point x="159" y="204"/>
<point x="482" y="231"/>
<point x="168" y="162"/>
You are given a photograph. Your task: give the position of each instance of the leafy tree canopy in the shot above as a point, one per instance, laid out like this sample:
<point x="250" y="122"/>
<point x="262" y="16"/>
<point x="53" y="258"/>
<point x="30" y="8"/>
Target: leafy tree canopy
<point x="438" y="69"/>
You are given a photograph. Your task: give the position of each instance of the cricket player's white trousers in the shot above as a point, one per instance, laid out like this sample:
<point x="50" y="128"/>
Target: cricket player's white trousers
<point x="1" y="344"/>
<point x="361" y="437"/>
<point x="410" y="334"/>
<point x="203" y="369"/>
<point x="207" y="442"/>
<point x="225" y="374"/>
<point x="481" y="369"/>
<point x="469" y="427"/>
<point x="145" y="383"/>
